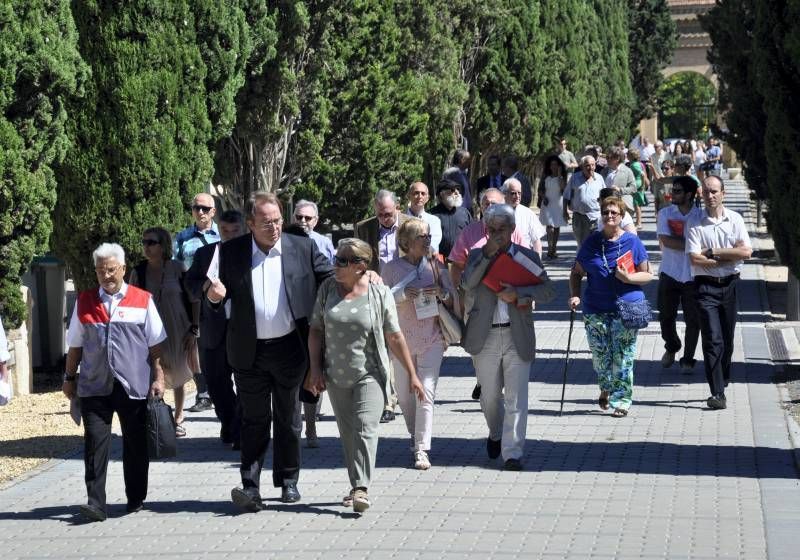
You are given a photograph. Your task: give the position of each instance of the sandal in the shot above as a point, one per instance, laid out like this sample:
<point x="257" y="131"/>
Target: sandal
<point x="361" y="501"/>
<point x="180" y="431"/>
<point x="603" y="400"/>
<point x="619" y="413"/>
<point x="347" y="501"/>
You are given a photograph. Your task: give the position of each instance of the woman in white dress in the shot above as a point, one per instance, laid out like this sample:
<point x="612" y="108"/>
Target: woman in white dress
<point x="551" y="201"/>
<point x="699" y="160"/>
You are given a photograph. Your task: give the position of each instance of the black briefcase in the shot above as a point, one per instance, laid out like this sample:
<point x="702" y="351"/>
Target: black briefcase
<point x="161" y="440"/>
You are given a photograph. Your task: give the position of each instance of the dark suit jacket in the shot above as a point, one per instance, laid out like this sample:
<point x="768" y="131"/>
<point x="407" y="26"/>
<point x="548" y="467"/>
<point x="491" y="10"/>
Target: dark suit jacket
<point x="483" y="184"/>
<point x="368" y="230"/>
<point x="304" y="269"/>
<point x="213" y="323"/>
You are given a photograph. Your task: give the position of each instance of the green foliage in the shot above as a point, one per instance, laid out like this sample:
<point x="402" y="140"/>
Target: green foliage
<point x="731" y="26"/>
<point x="142" y="135"/>
<point x="40" y="70"/>
<point x="652" y="37"/>
<point x="777" y="59"/>
<point x="687" y="102"/>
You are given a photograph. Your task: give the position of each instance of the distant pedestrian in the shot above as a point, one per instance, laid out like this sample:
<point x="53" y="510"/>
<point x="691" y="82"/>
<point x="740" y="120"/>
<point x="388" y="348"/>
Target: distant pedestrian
<point x="454" y="218"/>
<point x="418" y="197"/>
<point x="675" y="285"/>
<point x="581" y="194"/>
<point x="528" y="224"/>
<point x="642" y="186"/>
<point x="551" y="198"/>
<point x="613" y="345"/>
<point x="306" y="215"/>
<point x="186" y="242"/>
<point x="511" y="170"/>
<point x="717" y="243"/>
<point x="356" y="320"/>
<point x="115" y="336"/>
<point x="4" y="357"/>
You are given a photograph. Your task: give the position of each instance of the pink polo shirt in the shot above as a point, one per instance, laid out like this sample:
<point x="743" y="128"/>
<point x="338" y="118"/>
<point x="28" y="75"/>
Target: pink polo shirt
<point x="474" y="237"/>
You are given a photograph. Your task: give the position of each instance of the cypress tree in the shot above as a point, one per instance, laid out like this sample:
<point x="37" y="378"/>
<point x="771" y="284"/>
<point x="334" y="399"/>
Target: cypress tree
<point x="142" y="135"/>
<point x="40" y="71"/>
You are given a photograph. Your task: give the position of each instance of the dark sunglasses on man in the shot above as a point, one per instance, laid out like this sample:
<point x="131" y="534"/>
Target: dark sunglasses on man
<point x="201" y="208"/>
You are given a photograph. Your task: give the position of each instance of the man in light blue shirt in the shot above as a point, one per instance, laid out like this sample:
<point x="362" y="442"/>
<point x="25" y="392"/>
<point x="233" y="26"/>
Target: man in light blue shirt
<point x="202" y="232"/>
<point x="418" y="197"/>
<point x="582" y="194"/>
<point x="306" y="215"/>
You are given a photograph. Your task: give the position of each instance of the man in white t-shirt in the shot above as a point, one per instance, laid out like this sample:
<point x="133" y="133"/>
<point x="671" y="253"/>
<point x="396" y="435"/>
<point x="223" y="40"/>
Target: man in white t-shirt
<point x="717" y="243"/>
<point x="675" y="285"/>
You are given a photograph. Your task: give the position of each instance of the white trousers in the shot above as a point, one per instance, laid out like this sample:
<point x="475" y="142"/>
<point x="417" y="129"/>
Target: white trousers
<point x="419" y="416"/>
<point x="504" y="391"/>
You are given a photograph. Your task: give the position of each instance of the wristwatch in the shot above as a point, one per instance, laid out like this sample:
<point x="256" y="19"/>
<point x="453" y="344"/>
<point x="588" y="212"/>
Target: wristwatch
<point x="70" y="378"/>
<point x="709" y="254"/>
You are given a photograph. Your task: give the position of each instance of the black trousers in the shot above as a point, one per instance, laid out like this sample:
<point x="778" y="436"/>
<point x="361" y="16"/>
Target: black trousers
<point x="672" y="294"/>
<point x="218" y="374"/>
<point x="97" y="413"/>
<point x="717" y="308"/>
<point x="268" y="394"/>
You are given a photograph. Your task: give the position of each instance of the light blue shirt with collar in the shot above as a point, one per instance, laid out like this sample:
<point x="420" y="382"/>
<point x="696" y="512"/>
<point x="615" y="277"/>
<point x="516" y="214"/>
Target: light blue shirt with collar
<point x="324" y="244"/>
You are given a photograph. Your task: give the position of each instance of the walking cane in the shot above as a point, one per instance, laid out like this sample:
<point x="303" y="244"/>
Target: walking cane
<point x="566" y="360"/>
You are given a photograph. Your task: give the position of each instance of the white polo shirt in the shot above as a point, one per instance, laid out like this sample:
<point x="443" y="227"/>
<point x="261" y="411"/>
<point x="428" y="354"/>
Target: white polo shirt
<point x="671" y="221"/>
<point x="704" y="232"/>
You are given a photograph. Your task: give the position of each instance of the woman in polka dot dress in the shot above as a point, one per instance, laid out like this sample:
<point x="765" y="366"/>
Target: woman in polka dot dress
<point x="352" y="324"/>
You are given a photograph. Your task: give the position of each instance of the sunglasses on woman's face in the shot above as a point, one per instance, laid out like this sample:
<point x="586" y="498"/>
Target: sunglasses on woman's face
<point x="342" y="262"/>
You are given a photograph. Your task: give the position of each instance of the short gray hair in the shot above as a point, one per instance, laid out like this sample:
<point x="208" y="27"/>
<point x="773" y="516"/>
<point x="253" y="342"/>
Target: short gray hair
<point x="502" y="212"/>
<point x="383" y="194"/>
<point x="508" y="182"/>
<point x="615" y="152"/>
<point x="303" y="203"/>
<point x="587" y="158"/>
<point x="487" y="192"/>
<point x="109" y="251"/>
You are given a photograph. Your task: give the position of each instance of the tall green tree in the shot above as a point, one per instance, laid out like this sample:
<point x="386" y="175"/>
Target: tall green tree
<point x="142" y="135"/>
<point x="731" y="26"/>
<point x="777" y="55"/>
<point x="40" y="71"/>
<point x="652" y="37"/>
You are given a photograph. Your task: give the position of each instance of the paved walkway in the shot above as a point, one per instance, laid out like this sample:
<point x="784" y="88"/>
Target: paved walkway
<point x="672" y="480"/>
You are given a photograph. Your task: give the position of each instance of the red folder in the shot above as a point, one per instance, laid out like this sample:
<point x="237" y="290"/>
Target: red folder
<point x="676" y="227"/>
<point x="516" y="271"/>
<point x="626" y="261"/>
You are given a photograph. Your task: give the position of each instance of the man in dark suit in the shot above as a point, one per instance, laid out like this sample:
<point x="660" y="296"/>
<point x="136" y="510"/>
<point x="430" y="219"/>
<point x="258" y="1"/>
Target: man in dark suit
<point x="271" y="282"/>
<point x="380" y="231"/>
<point x="493" y="179"/>
<point x="213" y="327"/>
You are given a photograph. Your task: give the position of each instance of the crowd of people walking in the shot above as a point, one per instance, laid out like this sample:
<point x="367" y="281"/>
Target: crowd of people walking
<point x="266" y="320"/>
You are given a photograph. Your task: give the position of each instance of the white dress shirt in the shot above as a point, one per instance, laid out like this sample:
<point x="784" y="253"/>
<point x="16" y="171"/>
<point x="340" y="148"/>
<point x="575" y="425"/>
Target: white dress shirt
<point x="273" y="317"/>
<point x="705" y="232"/>
<point x="434" y="226"/>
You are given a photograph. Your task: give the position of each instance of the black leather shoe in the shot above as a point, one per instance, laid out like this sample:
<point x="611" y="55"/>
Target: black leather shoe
<point x="387" y="416"/>
<point x="493" y="448"/>
<point x="513" y="465"/>
<point x="225" y="435"/>
<point x="200" y="405"/>
<point x="133" y="507"/>
<point x="247" y="500"/>
<point x="717" y="402"/>
<point x="476" y="393"/>
<point x="92" y="513"/>
<point x="289" y="494"/>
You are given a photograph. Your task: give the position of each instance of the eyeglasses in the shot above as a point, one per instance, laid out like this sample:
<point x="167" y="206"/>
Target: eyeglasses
<point x="609" y="213"/>
<point x="386" y="215"/>
<point x="304" y="218"/>
<point x="424" y="236"/>
<point x="270" y="224"/>
<point x="342" y="262"/>
<point x="201" y="208"/>
<point x="150" y="242"/>
<point x="111" y="271"/>
<point x="514" y="193"/>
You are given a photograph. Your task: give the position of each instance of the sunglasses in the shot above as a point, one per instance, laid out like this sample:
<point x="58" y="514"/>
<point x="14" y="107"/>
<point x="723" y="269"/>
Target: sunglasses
<point x="425" y="236"/>
<point x="201" y="208"/>
<point x="149" y="242"/>
<point x="342" y="262"/>
<point x="610" y="213"/>
<point x="303" y="218"/>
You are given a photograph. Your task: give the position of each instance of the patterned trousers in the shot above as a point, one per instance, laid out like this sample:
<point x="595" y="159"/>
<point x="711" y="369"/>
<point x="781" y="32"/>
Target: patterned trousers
<point x="613" y="353"/>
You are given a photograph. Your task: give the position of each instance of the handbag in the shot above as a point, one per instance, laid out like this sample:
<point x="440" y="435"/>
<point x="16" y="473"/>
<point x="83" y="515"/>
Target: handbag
<point x="634" y="314"/>
<point x="448" y="323"/>
<point x="161" y="440"/>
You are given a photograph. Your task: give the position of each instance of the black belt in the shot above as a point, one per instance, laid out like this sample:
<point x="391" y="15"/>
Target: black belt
<point x="716" y="280"/>
<point x="500" y="325"/>
<point x="276" y="340"/>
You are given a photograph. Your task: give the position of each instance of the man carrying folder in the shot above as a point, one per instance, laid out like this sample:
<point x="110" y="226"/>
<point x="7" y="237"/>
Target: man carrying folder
<point x="501" y="280"/>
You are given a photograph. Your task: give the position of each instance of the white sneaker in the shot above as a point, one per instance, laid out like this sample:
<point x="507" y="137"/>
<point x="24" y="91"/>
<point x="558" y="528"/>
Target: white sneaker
<point x="421" y="461"/>
<point x="667" y="359"/>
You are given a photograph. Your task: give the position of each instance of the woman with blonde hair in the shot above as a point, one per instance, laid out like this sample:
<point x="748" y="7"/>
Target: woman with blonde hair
<point x="418" y="283"/>
<point x="353" y="322"/>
